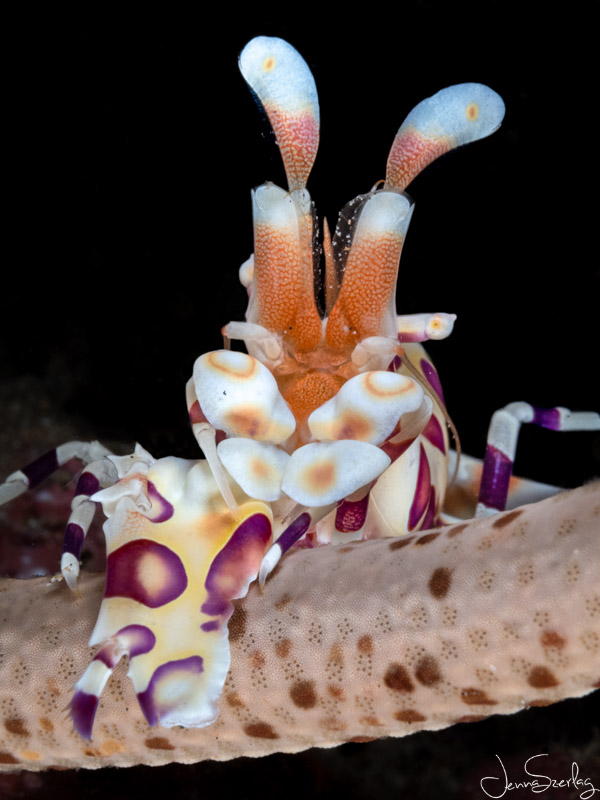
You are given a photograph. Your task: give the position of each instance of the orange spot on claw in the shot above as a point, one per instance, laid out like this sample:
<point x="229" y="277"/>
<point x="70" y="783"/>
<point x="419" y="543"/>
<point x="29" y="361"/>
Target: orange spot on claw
<point x="249" y="422"/>
<point x="320" y="476"/>
<point x="353" y="426"/>
<point x="472" y="111"/>
<point x="259" y="468"/>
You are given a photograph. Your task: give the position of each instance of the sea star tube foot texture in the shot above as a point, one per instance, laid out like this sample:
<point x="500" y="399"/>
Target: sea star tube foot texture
<point x="360" y="641"/>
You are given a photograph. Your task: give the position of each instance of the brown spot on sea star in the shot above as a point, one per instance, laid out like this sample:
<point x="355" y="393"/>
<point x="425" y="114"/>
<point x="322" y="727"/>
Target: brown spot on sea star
<point x="303" y="694"/>
<point x="541" y="678"/>
<point x="283" y="601"/>
<point x="456" y="530"/>
<point x="398" y="544"/>
<point x="427" y="671"/>
<point x="336" y="692"/>
<point x="506" y="519"/>
<point x="283" y="648"/>
<point x="428" y="537"/>
<point x="16" y="725"/>
<point x="237" y="623"/>
<point x="257" y="659"/>
<point x="409" y="715"/>
<point x="397" y="678"/>
<point x="476" y="697"/>
<point x="159" y="743"/>
<point x="552" y="639"/>
<point x="260" y="730"/>
<point x="361" y="739"/>
<point x="439" y="582"/>
<point x="234" y="700"/>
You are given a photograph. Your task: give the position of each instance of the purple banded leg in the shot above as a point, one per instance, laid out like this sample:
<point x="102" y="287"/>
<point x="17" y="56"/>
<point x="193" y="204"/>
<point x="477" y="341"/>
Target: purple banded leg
<point x="502" y="444"/>
<point x="95" y="476"/>
<point x="132" y="640"/>
<point x="30" y="476"/>
<point x="301" y="525"/>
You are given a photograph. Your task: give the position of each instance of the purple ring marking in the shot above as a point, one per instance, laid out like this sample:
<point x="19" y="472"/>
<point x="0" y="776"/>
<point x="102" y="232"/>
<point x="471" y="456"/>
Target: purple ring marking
<point x="430" y="373"/>
<point x="350" y="515"/>
<point x="235" y="565"/>
<point x="394" y="451"/>
<point x="294" y="532"/>
<point x="404" y="338"/>
<point x="430" y="516"/>
<point x="422" y="491"/>
<point x="133" y="639"/>
<point x="87" y="484"/>
<point x="395" y="364"/>
<point x="546" y="418"/>
<point x="73" y="541"/>
<point x="145" y="571"/>
<point x="164" y="509"/>
<point x="109" y="654"/>
<point x="434" y="433"/>
<point x="83" y="711"/>
<point x="40" y="468"/>
<point x="497" y="469"/>
<point x="151" y="707"/>
<point x="138" y="639"/>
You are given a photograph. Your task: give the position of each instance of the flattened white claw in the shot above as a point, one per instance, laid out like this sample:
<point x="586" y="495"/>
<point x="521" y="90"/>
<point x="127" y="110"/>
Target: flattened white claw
<point x="258" y="467"/>
<point x="367" y="407"/>
<point x="324" y="472"/>
<point x="238" y="394"/>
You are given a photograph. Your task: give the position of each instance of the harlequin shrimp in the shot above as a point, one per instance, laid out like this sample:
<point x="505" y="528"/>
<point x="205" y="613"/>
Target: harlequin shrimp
<point x="332" y="426"/>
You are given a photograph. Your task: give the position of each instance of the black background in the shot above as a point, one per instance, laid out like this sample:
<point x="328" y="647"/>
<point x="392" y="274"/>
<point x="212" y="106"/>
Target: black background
<point x="131" y="147"/>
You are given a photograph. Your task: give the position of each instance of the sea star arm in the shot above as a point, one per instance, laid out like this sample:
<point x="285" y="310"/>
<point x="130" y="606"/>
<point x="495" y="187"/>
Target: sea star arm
<point x="370" y="639"/>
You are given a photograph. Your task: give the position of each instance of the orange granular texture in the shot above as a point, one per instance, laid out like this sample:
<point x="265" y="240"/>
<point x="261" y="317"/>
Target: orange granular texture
<point x="411" y="153"/>
<point x="309" y="391"/>
<point x="369" y="281"/>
